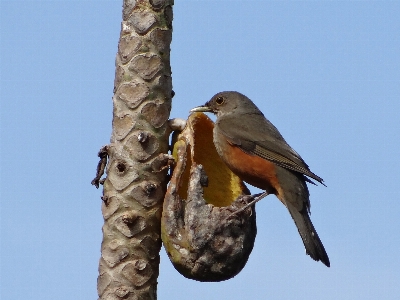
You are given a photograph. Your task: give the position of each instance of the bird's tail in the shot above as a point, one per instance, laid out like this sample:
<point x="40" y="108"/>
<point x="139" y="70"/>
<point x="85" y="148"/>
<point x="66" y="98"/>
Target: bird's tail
<point x="311" y="240"/>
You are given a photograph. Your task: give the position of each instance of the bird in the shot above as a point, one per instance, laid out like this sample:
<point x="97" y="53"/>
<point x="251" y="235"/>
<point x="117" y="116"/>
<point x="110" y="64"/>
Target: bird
<point x="253" y="148"/>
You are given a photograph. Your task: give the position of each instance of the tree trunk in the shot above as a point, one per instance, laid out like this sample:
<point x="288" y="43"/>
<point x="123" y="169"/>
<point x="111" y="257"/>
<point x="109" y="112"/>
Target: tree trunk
<point x="136" y="177"/>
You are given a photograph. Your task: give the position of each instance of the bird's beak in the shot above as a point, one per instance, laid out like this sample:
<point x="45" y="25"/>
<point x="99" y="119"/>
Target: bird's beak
<point x="201" y="109"/>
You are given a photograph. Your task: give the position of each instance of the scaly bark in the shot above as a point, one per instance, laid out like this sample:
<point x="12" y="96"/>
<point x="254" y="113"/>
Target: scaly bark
<point x="136" y="176"/>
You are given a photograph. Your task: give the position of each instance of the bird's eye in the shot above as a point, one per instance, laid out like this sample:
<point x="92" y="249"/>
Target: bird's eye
<point x="220" y="100"/>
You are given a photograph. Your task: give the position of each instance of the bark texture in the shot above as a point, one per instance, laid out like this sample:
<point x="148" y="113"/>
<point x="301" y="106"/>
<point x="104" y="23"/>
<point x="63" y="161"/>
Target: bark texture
<point x="136" y="174"/>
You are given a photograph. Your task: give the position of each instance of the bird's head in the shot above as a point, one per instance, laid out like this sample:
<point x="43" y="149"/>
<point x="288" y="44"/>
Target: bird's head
<point x="225" y="103"/>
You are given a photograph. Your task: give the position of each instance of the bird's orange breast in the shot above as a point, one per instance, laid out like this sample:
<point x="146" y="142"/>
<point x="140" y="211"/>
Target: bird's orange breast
<point x="252" y="169"/>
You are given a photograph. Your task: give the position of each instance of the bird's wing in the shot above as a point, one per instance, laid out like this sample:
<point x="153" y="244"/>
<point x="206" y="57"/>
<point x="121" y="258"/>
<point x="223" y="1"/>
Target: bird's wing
<point x="257" y="136"/>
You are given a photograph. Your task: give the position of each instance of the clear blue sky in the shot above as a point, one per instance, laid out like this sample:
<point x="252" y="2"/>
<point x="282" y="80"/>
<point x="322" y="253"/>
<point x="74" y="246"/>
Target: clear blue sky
<point x="326" y="73"/>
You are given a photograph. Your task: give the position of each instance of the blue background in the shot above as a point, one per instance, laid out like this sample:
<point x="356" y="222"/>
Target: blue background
<point x="326" y="73"/>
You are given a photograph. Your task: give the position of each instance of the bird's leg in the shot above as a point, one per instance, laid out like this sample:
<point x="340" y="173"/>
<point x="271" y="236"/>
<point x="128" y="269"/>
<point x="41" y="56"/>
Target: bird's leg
<point x="256" y="198"/>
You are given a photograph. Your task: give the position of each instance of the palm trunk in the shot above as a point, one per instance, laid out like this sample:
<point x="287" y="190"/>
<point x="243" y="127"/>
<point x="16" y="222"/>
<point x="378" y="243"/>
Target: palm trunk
<point x="136" y="180"/>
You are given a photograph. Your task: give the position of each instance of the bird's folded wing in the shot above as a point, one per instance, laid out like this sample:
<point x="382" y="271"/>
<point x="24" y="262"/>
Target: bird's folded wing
<point x="266" y="142"/>
<point x="284" y="162"/>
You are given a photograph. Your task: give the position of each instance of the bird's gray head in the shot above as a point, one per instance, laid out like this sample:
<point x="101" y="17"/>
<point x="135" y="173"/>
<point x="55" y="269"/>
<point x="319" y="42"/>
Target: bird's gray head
<point x="225" y="103"/>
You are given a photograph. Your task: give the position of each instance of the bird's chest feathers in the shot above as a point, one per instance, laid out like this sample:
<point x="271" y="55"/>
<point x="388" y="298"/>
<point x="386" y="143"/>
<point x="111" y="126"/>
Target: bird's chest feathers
<point x="250" y="168"/>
